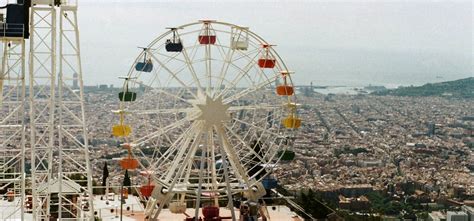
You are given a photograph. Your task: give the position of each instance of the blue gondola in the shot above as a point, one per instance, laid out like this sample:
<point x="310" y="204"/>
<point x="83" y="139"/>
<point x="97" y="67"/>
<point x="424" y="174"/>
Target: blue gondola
<point x="269" y="183"/>
<point x="146" y="65"/>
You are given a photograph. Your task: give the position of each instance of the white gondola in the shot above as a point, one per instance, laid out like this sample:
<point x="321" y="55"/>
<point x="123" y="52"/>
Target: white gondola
<point x="239" y="38"/>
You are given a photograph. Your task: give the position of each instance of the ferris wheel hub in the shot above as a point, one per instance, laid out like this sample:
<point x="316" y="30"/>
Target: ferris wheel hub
<point x="213" y="112"/>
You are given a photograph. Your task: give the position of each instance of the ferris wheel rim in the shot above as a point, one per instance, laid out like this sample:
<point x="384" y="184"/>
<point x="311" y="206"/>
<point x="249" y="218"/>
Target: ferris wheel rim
<point x="223" y="132"/>
<point x="247" y="30"/>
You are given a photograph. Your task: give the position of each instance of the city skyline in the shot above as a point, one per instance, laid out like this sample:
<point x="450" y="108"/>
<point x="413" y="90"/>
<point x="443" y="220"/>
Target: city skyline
<point x="354" y="43"/>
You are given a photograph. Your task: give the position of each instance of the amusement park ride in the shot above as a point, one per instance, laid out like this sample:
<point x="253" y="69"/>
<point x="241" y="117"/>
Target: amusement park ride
<point x="202" y="114"/>
<point x="49" y="143"/>
<point x="203" y="97"/>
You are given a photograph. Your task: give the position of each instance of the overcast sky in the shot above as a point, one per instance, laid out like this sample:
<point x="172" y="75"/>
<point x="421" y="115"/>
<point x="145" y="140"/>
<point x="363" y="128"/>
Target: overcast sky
<point x="329" y="42"/>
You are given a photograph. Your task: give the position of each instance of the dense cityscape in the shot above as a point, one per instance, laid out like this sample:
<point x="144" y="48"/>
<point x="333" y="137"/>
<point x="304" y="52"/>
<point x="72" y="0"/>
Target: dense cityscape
<point x="389" y="155"/>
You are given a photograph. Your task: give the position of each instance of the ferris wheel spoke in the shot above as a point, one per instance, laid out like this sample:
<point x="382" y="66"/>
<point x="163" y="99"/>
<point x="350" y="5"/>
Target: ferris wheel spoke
<point x="189" y="167"/>
<point x="169" y="58"/>
<point x="164" y="130"/>
<point x="246" y="55"/>
<point x="232" y="156"/>
<point x="213" y="164"/>
<point x="224" y="68"/>
<point x="263" y="130"/>
<point x="242" y="73"/>
<point x="201" y="168"/>
<point x="227" y="180"/>
<point x="174" y="96"/>
<point x="181" y="154"/>
<point x="174" y="76"/>
<point x="249" y="90"/>
<point x="161" y="111"/>
<point x="244" y="144"/>
<point x="208" y="58"/>
<point x="254" y="107"/>
<point x="168" y="156"/>
<point x="190" y="64"/>
<point x="176" y="178"/>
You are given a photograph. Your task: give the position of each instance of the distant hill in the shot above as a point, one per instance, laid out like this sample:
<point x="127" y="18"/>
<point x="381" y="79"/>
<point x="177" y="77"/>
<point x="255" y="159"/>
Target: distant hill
<point x="463" y="88"/>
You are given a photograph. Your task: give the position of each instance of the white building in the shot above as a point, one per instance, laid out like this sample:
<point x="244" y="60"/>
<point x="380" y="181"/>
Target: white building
<point x="470" y="212"/>
<point x="457" y="216"/>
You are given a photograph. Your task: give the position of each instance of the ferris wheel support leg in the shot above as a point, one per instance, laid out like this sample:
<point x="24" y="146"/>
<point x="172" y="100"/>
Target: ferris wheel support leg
<point x="201" y="168"/>
<point x="23" y="135"/>
<point x="234" y="162"/>
<point x="197" y="139"/>
<point x="226" y="177"/>
<point x="213" y="168"/>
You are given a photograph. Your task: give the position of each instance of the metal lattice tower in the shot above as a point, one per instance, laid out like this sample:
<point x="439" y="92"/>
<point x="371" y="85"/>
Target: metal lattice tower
<point x="12" y="130"/>
<point x="73" y="159"/>
<point x="61" y="175"/>
<point x="42" y="78"/>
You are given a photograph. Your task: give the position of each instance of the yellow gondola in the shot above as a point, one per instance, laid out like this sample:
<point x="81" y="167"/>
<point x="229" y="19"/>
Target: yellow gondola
<point x="121" y="130"/>
<point x="292" y="121"/>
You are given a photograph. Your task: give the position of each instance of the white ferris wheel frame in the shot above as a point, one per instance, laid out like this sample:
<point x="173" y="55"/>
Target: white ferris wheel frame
<point x="172" y="184"/>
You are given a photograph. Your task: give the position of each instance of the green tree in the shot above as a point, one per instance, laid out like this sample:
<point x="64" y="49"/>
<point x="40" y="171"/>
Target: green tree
<point x="105" y="174"/>
<point x="126" y="180"/>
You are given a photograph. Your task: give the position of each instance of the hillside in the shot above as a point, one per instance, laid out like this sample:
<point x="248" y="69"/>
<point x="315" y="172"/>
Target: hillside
<point x="463" y="88"/>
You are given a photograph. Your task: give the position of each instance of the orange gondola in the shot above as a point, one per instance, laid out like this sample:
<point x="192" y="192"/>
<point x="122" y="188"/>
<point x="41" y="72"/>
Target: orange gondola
<point x="128" y="163"/>
<point x="285" y="89"/>
<point x="267" y="60"/>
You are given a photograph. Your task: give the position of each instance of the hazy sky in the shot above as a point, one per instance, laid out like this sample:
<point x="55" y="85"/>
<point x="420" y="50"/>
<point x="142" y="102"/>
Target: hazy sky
<point x="328" y="42"/>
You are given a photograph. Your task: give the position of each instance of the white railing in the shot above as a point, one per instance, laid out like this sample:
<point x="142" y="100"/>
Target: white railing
<point x="11" y="30"/>
<point x="69" y="2"/>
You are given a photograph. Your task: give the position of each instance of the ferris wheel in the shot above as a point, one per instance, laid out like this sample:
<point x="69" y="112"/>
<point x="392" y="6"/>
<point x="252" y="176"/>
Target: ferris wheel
<point x="207" y="110"/>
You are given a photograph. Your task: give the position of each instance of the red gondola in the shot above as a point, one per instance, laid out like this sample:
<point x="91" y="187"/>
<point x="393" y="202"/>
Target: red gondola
<point x="207" y="39"/>
<point x="147" y="189"/>
<point x="207" y="35"/>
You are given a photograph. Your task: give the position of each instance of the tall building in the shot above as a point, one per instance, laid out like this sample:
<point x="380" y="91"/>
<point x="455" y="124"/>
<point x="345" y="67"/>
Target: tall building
<point x="431" y="129"/>
<point x="75" y="81"/>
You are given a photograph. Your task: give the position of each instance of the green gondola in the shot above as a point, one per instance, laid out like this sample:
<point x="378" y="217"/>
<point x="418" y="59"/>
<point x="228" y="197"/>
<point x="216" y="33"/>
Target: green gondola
<point x="286" y="155"/>
<point x="127" y="96"/>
